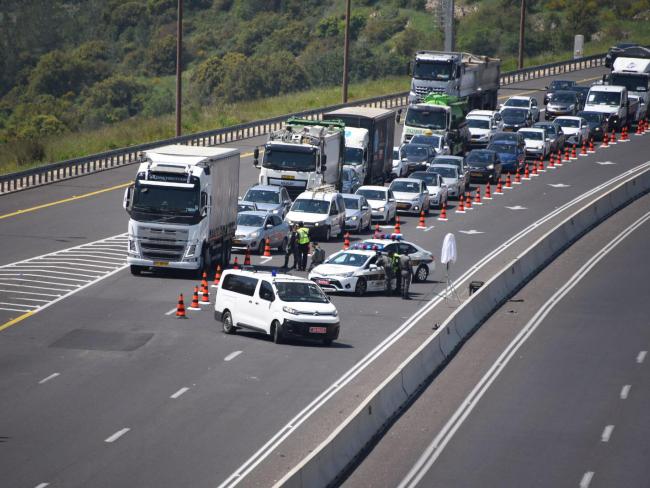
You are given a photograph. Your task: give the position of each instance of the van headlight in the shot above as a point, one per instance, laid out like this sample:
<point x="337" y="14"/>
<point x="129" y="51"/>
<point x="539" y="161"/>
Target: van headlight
<point x="490" y="166"/>
<point x="290" y="310"/>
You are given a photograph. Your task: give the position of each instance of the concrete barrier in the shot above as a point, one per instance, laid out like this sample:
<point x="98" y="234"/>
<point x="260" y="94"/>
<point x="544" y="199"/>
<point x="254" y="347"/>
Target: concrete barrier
<point x="370" y="419"/>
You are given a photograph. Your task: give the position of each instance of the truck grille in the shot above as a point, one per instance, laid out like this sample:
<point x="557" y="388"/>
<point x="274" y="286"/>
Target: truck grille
<point x="157" y="243"/>
<point x="423" y="91"/>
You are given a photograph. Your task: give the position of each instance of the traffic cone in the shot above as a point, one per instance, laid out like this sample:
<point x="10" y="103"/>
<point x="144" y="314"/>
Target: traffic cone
<point x="488" y="192"/>
<point x="644" y="126"/>
<point x="205" y="295"/>
<point x="398" y="227"/>
<point x="235" y="264"/>
<point x="612" y="140"/>
<point x="443" y="213"/>
<point x="217" y="277"/>
<point x="591" y="149"/>
<point x="204" y="280"/>
<point x="574" y="154"/>
<point x="267" y="248"/>
<point x="526" y="173"/>
<point x="533" y="172"/>
<point x="639" y="128"/>
<point x="421" y="223"/>
<point x="468" y="201"/>
<point x="517" y="177"/>
<point x="477" y="197"/>
<point x="346" y="241"/>
<point x="499" y="190"/>
<point x="558" y="159"/>
<point x="583" y="151"/>
<point x="180" y="308"/>
<point x="605" y="141"/>
<point x="247" y="257"/>
<point x="376" y="235"/>
<point x="508" y="181"/>
<point x="624" y="135"/>
<point x="540" y="165"/>
<point x="566" y="155"/>
<point x="195" y="300"/>
<point x="461" y="205"/>
<point x="551" y="161"/>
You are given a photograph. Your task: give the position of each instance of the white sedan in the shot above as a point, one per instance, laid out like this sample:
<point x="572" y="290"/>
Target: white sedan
<point x="422" y="261"/>
<point x="382" y="202"/>
<point x="352" y="271"/>
<point x="411" y="195"/>
<point x="576" y="129"/>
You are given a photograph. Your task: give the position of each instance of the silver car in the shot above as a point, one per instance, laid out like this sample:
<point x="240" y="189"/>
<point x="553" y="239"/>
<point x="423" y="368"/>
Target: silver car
<point x="411" y="195"/>
<point x="463" y="173"/>
<point x="449" y="175"/>
<point x="358" y="215"/>
<point x="253" y="228"/>
<point x="274" y="199"/>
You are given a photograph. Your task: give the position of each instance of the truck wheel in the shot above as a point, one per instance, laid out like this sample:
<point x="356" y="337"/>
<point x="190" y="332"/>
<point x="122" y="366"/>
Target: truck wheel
<point x="136" y="270"/>
<point x="276" y="331"/>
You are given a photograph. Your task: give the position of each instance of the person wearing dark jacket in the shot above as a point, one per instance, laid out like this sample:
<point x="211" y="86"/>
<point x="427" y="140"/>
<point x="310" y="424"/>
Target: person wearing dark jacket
<point x="292" y="249"/>
<point x="317" y="256"/>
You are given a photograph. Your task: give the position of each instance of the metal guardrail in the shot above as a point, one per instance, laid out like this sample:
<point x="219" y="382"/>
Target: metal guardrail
<point x="73" y="168"/>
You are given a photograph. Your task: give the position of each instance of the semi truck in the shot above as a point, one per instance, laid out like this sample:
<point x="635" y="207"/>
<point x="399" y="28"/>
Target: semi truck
<point x="182" y="208"/>
<point x="633" y="74"/>
<point x="440" y="114"/>
<point x="304" y="154"/>
<point x="357" y="143"/>
<point x="458" y="74"/>
<point x="380" y="124"/>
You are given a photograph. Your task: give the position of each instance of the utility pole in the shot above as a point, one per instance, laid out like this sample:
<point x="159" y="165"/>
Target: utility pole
<point x="522" y="22"/>
<point x="179" y="66"/>
<point x="449" y="25"/>
<point x="346" y="51"/>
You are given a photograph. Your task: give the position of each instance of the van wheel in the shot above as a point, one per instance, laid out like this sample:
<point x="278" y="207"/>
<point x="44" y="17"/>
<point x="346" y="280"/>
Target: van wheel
<point x="361" y="287"/>
<point x="276" y="331"/>
<point x="328" y="233"/>
<point x="136" y="270"/>
<point x="422" y="273"/>
<point x="226" y="320"/>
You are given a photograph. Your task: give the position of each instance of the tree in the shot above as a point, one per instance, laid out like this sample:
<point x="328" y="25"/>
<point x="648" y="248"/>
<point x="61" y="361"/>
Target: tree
<point x="161" y="56"/>
<point x="113" y="99"/>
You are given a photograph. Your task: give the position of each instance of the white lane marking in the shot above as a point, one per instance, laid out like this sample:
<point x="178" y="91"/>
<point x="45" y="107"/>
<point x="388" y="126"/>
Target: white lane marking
<point x="30" y="299"/>
<point x="605" y="163"/>
<point x="11" y="304"/>
<point x="171" y="311"/>
<point x="607" y="433"/>
<point x="44" y="276"/>
<point x="45" y="282"/>
<point x="266" y="259"/>
<point x="437" y="446"/>
<point x="42" y="485"/>
<point x="30" y="293"/>
<point x="7" y="309"/>
<point x="117" y="435"/>
<point x="625" y="392"/>
<point x="641" y="356"/>
<point x="48" y="378"/>
<point x="37" y="287"/>
<point x="269" y="446"/>
<point x="517" y="207"/>
<point x="559" y="185"/>
<point x="232" y="356"/>
<point x="471" y="232"/>
<point x="51" y="270"/>
<point x="179" y="392"/>
<point x="586" y="479"/>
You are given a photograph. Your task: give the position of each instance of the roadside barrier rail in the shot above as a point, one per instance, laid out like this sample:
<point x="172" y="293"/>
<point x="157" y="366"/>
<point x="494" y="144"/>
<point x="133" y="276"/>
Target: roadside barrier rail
<point x="107" y="160"/>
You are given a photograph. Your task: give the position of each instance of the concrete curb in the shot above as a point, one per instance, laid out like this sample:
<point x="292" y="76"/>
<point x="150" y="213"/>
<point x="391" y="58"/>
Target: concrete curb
<point x="337" y="453"/>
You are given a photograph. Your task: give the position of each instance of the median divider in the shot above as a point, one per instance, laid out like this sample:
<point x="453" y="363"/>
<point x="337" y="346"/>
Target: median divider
<point x="334" y="457"/>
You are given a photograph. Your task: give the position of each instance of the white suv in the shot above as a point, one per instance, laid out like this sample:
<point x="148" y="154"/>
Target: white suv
<point x="321" y="210"/>
<point x="282" y="306"/>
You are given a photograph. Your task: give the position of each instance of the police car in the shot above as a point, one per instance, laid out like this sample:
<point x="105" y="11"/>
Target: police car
<point x="351" y="271"/>
<point x="422" y="261"/>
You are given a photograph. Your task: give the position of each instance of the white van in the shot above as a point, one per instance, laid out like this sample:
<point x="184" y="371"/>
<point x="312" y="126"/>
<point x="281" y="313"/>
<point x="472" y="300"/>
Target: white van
<point x="321" y="210"/>
<point x="282" y="306"/>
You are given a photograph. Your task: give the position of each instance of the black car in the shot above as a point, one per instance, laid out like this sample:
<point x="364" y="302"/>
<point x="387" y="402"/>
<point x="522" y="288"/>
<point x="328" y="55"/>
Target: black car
<point x="557" y="85"/>
<point x="582" y="92"/>
<point x="562" y="102"/>
<point x="554" y="133"/>
<point x="484" y="165"/>
<point x="626" y="49"/>
<point x="516" y="118"/>
<point x="597" y="124"/>
<point x="417" y="156"/>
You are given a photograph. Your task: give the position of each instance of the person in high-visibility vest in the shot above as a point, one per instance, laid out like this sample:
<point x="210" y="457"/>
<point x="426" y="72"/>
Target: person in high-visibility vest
<point x="303" y="245"/>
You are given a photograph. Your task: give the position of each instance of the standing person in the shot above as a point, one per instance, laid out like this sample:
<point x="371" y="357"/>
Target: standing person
<point x="292" y="248"/>
<point x="406" y="273"/>
<point x="384" y="261"/>
<point x="394" y="259"/>
<point x="303" y="244"/>
<point x="317" y="256"/>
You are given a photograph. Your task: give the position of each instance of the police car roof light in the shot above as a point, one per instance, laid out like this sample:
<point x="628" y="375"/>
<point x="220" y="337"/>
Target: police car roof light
<point x="274" y="272"/>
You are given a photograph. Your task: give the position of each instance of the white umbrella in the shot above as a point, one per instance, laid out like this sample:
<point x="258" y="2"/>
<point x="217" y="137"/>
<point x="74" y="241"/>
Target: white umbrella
<point x="448" y="253"/>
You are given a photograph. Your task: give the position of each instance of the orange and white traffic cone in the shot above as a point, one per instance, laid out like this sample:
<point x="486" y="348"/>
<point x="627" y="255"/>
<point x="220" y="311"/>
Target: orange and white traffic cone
<point x="267" y="248"/>
<point x="477" y="197"/>
<point x="499" y="189"/>
<point x="488" y="192"/>
<point x="574" y="154"/>
<point x="235" y="264"/>
<point x="346" y="241"/>
<point x="583" y="151"/>
<point x="605" y="143"/>
<point x="551" y="161"/>
<point x="205" y="295"/>
<point x="517" y="177"/>
<point x="247" y="257"/>
<point x="180" y="308"/>
<point x="195" y="300"/>
<point x="508" y="182"/>
<point x="443" y="213"/>
<point x="217" y="277"/>
<point x="468" y="201"/>
<point x="526" y="173"/>
<point x="204" y="280"/>
<point x="398" y="226"/>
<point x="558" y="160"/>
<point x="421" y="223"/>
<point x="591" y="149"/>
<point x="612" y="140"/>
<point x="624" y="135"/>
<point x="534" y="171"/>
<point x="540" y="165"/>
<point x="461" y="205"/>
<point x="639" y="128"/>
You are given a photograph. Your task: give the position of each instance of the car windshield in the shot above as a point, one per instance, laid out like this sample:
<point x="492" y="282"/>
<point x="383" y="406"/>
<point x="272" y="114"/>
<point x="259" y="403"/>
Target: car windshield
<point x="310" y="206"/>
<point x="429" y="178"/>
<point x="591" y="117"/>
<point x="348" y="259"/>
<point x="604" y="98"/>
<point x="426" y="117"/>
<point x="478" y="123"/>
<point x="503" y="148"/>
<point x="513" y="115"/>
<point x="414" y="151"/>
<point x="563" y="98"/>
<point x="532" y="135"/>
<point x="353" y="155"/>
<point x="372" y="194"/>
<point x="506" y="136"/>
<point x="568" y="122"/>
<point x="300" y="292"/>
<point x="445" y="172"/>
<point x="405" y="186"/>
<point x="479" y="157"/>
<point x="262" y="196"/>
<point x="428" y="140"/>
<point x="560" y="84"/>
<point x="351" y="203"/>
<point x="250" y="220"/>
<point x="517" y="102"/>
<point x="433" y="70"/>
<point x="282" y="159"/>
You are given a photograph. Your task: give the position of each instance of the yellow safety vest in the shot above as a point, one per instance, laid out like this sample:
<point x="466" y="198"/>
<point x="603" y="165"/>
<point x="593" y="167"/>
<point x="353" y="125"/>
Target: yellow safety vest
<point x="303" y="235"/>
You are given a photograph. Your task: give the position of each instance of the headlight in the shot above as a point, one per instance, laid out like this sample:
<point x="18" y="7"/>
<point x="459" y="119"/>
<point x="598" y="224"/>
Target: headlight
<point x="316" y="224"/>
<point x="354" y="217"/>
<point x="290" y="310"/>
<point x="254" y="235"/>
<point x="381" y="209"/>
<point x="490" y="166"/>
<point x="132" y="247"/>
<point x="275" y="211"/>
<point x="349" y="274"/>
<point x="335" y="313"/>
<point x="571" y="107"/>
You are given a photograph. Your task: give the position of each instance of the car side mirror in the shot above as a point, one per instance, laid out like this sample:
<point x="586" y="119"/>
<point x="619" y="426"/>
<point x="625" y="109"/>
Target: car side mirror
<point x="373" y="267"/>
<point x="365" y="207"/>
<point x="268" y="226"/>
<point x="204" y="212"/>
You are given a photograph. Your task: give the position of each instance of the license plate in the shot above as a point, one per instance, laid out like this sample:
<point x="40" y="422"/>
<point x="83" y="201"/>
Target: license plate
<point x="318" y="330"/>
<point x="323" y="282"/>
<point x="161" y="263"/>
<point x="476" y="174"/>
<point x="288" y="177"/>
<point x="236" y="242"/>
<point x="402" y="205"/>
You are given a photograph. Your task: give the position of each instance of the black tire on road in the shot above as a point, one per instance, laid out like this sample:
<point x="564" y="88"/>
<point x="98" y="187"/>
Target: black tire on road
<point x="276" y="330"/>
<point x="136" y="270"/>
<point x="226" y="321"/>
<point x="421" y="273"/>
<point x="361" y="287"/>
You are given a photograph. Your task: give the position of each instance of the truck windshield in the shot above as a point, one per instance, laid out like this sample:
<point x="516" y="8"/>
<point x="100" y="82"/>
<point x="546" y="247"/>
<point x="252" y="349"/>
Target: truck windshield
<point x="281" y="159"/>
<point x="353" y="155"/>
<point x="632" y="82"/>
<point x="426" y="118"/>
<point x="165" y="203"/>
<point x="604" y="98"/>
<point x="433" y="70"/>
<point x="300" y="292"/>
<point x="311" y="206"/>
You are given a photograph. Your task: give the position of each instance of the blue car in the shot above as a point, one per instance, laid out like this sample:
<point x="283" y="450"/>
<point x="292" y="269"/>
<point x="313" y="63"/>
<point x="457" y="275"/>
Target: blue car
<point x="512" y="155"/>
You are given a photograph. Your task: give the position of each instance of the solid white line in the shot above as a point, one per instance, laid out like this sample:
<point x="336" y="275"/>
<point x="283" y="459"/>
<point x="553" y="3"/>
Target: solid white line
<point x="6" y="309"/>
<point x="179" y="392"/>
<point x="18" y="304"/>
<point x="269" y="446"/>
<point x="51" y="377"/>
<point x="625" y="392"/>
<point x="586" y="479"/>
<point x="171" y="311"/>
<point x="607" y="433"/>
<point x="117" y="435"/>
<point x="42" y="485"/>
<point x="641" y="357"/>
<point x="31" y="293"/>
<point x="433" y="451"/>
<point x="232" y="356"/>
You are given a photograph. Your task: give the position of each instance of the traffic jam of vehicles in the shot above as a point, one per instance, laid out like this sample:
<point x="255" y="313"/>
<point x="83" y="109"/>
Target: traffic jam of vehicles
<point x="342" y="176"/>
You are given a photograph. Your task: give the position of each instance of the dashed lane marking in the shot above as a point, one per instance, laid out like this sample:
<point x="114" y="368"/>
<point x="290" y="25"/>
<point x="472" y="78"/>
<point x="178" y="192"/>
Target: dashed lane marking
<point x="607" y="433"/>
<point x="48" y="378"/>
<point x="179" y="392"/>
<point x="117" y="435"/>
<point x="625" y="391"/>
<point x="641" y="356"/>
<point x="586" y="479"/>
<point x="232" y="356"/>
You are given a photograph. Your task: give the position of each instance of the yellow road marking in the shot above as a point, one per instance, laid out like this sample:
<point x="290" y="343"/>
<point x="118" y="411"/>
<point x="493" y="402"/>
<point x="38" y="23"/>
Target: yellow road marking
<point x="535" y="91"/>
<point x="65" y="200"/>
<point x="6" y="325"/>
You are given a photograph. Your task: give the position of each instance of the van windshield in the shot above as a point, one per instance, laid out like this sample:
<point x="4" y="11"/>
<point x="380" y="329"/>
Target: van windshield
<point x="604" y="98"/>
<point x="311" y="206"/>
<point x="300" y="292"/>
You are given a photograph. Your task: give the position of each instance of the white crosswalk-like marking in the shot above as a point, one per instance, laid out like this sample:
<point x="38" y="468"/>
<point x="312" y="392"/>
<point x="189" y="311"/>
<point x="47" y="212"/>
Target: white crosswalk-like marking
<point x="33" y="284"/>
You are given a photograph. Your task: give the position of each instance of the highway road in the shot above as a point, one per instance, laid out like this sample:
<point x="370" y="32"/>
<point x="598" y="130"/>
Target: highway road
<point x="551" y="391"/>
<point x="105" y="388"/>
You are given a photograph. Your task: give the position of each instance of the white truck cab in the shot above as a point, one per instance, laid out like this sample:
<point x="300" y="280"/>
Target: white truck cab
<point x="356" y="150"/>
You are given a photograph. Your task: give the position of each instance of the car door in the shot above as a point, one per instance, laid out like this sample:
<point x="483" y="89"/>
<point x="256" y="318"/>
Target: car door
<point x="535" y="109"/>
<point x="244" y="288"/>
<point x="391" y="203"/>
<point x="374" y="275"/>
<point x="286" y="201"/>
<point x="262" y="301"/>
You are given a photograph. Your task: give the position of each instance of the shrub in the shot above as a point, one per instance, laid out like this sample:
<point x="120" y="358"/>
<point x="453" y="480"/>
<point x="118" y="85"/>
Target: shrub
<point x="114" y="99"/>
<point x="160" y="58"/>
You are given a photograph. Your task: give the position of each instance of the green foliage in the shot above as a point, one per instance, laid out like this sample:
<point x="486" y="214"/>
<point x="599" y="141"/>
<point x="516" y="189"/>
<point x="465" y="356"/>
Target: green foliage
<point x="160" y="58"/>
<point x="382" y="24"/>
<point x="113" y="99"/>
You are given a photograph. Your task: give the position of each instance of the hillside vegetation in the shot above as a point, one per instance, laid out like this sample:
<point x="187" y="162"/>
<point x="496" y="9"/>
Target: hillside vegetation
<point x="81" y="76"/>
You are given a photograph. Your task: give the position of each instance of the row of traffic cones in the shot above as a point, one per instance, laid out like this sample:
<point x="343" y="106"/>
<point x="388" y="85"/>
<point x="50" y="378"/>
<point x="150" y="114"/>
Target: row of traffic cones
<point x="196" y="302"/>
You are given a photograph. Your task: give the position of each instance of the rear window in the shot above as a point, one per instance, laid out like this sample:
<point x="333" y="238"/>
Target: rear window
<point x="240" y="284"/>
